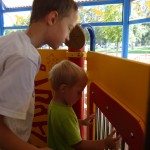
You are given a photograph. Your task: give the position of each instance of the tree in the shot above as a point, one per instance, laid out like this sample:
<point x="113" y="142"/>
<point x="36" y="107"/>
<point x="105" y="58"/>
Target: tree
<point x="20" y="21"/>
<point x="113" y="33"/>
<point x="146" y="37"/>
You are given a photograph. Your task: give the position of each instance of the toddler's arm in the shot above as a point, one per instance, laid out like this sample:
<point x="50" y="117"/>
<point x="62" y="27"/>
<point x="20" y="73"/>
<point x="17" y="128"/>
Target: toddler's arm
<point x="108" y="143"/>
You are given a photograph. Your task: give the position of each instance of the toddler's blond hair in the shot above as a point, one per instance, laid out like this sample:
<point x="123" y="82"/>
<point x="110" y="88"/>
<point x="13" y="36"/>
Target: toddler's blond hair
<point x="66" y="72"/>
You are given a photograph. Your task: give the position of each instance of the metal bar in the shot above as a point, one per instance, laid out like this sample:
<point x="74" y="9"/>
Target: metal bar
<point x="144" y="20"/>
<point x="125" y="32"/>
<point x="1" y="19"/>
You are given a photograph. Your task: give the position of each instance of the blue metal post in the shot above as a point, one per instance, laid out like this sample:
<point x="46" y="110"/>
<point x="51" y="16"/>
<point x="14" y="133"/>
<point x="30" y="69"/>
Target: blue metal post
<point x="125" y="30"/>
<point x="92" y="35"/>
<point x="1" y="19"/>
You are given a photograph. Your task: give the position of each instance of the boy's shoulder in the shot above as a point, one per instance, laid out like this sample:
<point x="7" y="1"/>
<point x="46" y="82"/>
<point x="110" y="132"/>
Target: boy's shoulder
<point x="59" y="108"/>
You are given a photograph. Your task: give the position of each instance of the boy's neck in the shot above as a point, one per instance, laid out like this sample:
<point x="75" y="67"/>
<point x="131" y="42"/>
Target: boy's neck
<point x="59" y="99"/>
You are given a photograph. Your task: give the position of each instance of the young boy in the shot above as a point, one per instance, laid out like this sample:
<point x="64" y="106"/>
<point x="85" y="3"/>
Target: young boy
<point x="68" y="81"/>
<point x="51" y="22"/>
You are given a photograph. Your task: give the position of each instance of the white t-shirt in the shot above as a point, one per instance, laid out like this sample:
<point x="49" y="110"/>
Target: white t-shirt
<point x="19" y="64"/>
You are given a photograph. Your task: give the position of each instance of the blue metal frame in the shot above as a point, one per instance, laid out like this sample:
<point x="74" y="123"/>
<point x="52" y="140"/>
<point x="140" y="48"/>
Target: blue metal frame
<point x="106" y="24"/>
<point x="16" y="27"/>
<point x="1" y="19"/>
<point x="144" y="20"/>
<point x="7" y="10"/>
<point x="125" y="31"/>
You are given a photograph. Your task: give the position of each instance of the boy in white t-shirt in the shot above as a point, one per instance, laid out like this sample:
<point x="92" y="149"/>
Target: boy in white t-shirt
<point x="51" y="22"/>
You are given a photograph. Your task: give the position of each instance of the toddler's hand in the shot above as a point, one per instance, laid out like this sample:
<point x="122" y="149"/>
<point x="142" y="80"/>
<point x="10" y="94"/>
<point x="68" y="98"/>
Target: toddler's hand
<point x="88" y="120"/>
<point x="113" y="143"/>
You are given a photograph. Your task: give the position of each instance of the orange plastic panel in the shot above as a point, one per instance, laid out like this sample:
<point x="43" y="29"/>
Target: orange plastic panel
<point x="126" y="80"/>
<point x="127" y="123"/>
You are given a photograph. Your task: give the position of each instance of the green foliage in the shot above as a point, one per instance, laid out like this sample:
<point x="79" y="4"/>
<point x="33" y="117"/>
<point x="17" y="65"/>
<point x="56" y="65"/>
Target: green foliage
<point x="139" y="34"/>
<point x="111" y="33"/>
<point x="107" y="13"/>
<point x="21" y="21"/>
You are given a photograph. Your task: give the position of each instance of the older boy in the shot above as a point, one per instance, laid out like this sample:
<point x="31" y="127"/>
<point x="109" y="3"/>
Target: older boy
<point x="51" y="22"/>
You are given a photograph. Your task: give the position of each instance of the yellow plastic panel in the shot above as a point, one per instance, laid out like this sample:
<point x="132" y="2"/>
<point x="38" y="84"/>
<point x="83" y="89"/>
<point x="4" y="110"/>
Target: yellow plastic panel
<point x="127" y="81"/>
<point x="43" y="95"/>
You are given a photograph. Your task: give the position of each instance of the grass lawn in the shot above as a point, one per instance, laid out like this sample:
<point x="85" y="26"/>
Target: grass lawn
<point x="136" y="50"/>
<point x="140" y="50"/>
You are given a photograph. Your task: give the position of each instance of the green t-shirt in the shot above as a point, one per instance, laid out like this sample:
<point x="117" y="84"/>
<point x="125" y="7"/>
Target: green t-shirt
<point x="63" y="127"/>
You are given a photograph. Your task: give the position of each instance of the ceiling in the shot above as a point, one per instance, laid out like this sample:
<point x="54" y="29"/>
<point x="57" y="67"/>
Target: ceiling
<point x="28" y="3"/>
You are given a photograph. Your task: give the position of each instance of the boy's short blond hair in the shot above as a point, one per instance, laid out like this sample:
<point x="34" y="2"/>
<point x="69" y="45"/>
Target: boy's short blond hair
<point x="66" y="72"/>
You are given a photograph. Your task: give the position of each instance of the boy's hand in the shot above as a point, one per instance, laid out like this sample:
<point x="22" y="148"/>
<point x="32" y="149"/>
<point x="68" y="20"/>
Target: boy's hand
<point x="88" y="120"/>
<point x="113" y="143"/>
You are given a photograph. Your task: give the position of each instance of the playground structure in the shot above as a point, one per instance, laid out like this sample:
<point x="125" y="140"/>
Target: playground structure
<point x="118" y="88"/>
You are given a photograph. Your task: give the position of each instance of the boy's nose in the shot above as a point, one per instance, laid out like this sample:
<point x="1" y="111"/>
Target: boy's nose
<point x="67" y="38"/>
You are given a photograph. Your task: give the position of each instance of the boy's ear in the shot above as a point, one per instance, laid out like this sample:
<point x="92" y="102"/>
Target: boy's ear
<point x="62" y="87"/>
<point x="52" y="17"/>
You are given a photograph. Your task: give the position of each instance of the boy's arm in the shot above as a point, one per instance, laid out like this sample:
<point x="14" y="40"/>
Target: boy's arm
<point x="8" y="140"/>
<point x="109" y="142"/>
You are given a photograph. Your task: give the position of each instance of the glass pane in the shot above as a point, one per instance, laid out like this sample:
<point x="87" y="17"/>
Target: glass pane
<point x="140" y="9"/>
<point x="139" y="42"/>
<point x="16" y="18"/>
<point x="108" y="40"/>
<point x="100" y="13"/>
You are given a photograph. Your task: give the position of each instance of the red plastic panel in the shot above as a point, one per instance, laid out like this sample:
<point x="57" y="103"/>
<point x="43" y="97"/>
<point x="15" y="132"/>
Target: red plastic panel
<point x="125" y="123"/>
